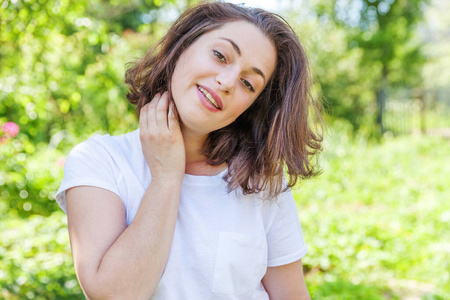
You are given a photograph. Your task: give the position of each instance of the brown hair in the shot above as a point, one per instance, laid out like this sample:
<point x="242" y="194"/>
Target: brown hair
<point x="276" y="132"/>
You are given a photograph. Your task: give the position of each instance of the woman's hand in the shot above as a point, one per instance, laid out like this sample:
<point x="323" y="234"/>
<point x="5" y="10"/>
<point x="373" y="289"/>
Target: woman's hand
<point x="161" y="139"/>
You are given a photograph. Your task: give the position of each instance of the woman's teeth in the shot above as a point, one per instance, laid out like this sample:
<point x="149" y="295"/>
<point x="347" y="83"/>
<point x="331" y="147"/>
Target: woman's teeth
<point x="209" y="97"/>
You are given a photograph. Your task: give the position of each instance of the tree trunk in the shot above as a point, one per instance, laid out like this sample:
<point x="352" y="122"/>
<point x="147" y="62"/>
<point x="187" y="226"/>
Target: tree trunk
<point x="381" y="100"/>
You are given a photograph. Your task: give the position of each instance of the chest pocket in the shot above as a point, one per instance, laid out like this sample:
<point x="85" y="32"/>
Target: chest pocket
<point x="241" y="263"/>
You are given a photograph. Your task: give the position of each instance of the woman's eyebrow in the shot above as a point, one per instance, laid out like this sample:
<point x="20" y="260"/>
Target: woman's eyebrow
<point x="235" y="46"/>
<point x="238" y="51"/>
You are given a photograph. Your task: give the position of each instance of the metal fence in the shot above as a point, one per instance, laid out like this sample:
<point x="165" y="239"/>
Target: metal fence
<point x="418" y="112"/>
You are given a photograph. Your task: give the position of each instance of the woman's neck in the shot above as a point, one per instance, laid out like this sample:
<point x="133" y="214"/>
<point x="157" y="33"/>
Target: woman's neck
<point x="196" y="162"/>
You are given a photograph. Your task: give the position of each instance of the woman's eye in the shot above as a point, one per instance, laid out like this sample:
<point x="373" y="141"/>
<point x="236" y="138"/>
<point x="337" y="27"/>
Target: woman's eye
<point x="248" y="85"/>
<point x="219" y="56"/>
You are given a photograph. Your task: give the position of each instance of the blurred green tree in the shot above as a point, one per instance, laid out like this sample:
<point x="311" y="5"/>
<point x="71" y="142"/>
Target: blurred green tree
<point x="383" y="46"/>
<point x="62" y="66"/>
<point x="59" y="62"/>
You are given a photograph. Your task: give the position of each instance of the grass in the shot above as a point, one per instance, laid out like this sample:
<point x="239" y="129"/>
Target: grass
<point x="377" y="221"/>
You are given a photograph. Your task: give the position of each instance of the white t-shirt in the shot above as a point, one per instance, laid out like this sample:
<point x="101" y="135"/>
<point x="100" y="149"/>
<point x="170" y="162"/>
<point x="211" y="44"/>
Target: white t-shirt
<point x="223" y="242"/>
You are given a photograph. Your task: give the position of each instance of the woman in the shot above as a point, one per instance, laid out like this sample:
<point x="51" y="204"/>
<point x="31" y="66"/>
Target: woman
<point x="193" y="204"/>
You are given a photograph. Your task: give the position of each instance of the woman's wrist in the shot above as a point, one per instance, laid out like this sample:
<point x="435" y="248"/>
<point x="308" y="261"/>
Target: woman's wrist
<point x="170" y="179"/>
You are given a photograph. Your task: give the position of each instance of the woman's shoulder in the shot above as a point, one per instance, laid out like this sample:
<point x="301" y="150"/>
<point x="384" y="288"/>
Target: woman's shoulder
<point x="103" y="151"/>
<point x="112" y="144"/>
<point x="128" y="138"/>
<point x="99" y="161"/>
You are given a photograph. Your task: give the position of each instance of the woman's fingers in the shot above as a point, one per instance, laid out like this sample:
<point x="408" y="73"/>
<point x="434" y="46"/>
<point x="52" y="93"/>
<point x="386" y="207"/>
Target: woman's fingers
<point x="161" y="138"/>
<point x="172" y="120"/>
<point x="155" y="113"/>
<point x="151" y="113"/>
<point x="147" y="113"/>
<point x="161" y="111"/>
<point x="143" y="117"/>
<point x="160" y="114"/>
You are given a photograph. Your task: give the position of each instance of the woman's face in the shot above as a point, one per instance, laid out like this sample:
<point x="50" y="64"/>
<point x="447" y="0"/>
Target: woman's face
<point x="220" y="75"/>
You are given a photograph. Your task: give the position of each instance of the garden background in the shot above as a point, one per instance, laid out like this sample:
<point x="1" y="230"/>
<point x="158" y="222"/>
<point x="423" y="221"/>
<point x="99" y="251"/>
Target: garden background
<point x="377" y="220"/>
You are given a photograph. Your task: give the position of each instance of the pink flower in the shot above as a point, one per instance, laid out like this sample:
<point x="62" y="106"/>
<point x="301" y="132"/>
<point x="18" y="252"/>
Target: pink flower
<point x="11" y="129"/>
<point x="60" y="162"/>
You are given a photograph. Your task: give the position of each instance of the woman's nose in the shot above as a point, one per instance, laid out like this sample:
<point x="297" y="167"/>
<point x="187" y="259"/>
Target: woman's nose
<point x="227" y="80"/>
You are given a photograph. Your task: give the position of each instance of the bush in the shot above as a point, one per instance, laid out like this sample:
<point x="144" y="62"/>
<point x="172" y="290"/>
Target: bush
<point x="376" y="219"/>
<point x="29" y="177"/>
<point x="35" y="259"/>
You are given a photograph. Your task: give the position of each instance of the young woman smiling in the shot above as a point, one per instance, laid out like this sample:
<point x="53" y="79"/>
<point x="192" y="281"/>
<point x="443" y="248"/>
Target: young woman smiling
<point x="194" y="203"/>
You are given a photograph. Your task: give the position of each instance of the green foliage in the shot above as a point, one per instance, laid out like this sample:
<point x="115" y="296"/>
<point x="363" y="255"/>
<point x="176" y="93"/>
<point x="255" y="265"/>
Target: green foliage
<point x="359" y="48"/>
<point x="62" y="63"/>
<point x="377" y="220"/>
<point x="29" y="177"/>
<point x="62" y="66"/>
<point x="342" y="290"/>
<point x="347" y="90"/>
<point x="35" y="260"/>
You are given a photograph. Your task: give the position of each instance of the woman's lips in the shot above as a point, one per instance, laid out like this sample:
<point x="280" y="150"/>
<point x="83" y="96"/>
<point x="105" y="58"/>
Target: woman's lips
<point x="208" y="105"/>
<point x="210" y="96"/>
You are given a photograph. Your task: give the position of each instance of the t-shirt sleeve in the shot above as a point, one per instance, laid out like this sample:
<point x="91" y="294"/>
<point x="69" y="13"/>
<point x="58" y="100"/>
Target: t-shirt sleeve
<point x="88" y="164"/>
<point x="285" y="236"/>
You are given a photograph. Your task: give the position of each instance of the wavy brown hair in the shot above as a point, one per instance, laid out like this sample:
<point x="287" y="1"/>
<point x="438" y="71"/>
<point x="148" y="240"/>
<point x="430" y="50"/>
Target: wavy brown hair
<point x="282" y="129"/>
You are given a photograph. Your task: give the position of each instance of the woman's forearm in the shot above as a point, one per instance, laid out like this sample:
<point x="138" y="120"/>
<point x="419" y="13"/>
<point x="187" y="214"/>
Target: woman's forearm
<point x="133" y="265"/>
